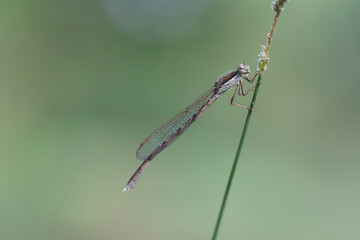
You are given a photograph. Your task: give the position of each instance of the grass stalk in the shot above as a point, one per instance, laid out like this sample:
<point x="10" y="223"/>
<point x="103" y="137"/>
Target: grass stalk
<point x="278" y="7"/>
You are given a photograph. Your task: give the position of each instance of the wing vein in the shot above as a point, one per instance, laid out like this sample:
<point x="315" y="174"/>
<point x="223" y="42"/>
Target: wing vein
<point x="162" y="134"/>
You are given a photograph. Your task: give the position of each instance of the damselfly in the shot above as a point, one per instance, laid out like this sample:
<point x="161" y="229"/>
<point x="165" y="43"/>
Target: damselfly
<point x="170" y="131"/>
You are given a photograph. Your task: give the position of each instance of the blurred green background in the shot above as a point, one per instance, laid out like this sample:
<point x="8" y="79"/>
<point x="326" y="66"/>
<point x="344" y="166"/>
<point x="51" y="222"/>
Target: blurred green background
<point x="84" y="82"/>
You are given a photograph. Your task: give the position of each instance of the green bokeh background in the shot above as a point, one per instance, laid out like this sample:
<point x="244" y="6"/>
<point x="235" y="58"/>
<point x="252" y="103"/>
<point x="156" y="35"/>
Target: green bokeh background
<point x="84" y="82"/>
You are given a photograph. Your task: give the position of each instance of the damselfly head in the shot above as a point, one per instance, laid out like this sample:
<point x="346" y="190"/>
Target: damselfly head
<point x="243" y="69"/>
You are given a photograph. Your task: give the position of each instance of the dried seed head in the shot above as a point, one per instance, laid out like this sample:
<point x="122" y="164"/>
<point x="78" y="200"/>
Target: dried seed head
<point x="263" y="58"/>
<point x="278" y="5"/>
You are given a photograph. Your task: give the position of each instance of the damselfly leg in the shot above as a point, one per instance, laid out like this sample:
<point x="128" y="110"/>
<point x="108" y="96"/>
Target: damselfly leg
<point x="240" y="90"/>
<point x="250" y="80"/>
<point x="233" y="97"/>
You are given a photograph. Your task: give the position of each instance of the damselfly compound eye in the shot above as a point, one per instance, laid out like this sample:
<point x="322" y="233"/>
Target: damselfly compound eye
<point x="243" y="69"/>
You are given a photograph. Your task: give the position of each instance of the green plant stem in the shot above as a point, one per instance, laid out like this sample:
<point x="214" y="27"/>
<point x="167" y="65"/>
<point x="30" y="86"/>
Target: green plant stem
<point x="278" y="7"/>
<point x="237" y="155"/>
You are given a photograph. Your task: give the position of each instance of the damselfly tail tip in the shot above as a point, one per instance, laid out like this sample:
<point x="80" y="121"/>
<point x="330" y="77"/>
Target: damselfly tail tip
<point x="130" y="185"/>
